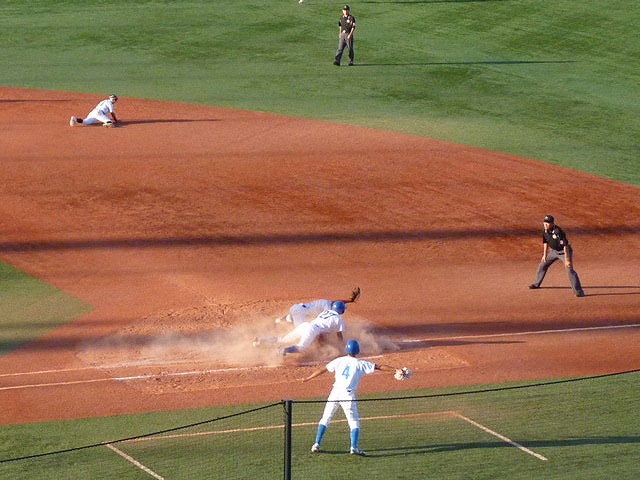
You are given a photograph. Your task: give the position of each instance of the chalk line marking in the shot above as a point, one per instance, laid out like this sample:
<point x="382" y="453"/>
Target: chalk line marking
<point x="57" y="384"/>
<point x="135" y="462"/>
<point x="501" y="437"/>
<point x="131" y="378"/>
<point x="240" y="369"/>
<point x="276" y="427"/>
<point x="44" y="372"/>
<point x="516" y="334"/>
<point x="450" y="413"/>
<point x="133" y="365"/>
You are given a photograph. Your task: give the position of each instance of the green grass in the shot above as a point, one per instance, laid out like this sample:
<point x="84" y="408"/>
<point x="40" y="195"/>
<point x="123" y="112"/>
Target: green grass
<point x="555" y="81"/>
<point x="31" y="308"/>
<point x="586" y="429"/>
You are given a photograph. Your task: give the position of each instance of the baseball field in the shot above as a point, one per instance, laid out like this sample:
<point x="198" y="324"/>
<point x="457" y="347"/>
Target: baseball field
<point x="249" y="173"/>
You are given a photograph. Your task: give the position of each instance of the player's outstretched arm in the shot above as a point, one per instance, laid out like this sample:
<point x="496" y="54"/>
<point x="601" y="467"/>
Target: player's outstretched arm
<point x="386" y="368"/>
<point x="315" y="374"/>
<point x="399" y="373"/>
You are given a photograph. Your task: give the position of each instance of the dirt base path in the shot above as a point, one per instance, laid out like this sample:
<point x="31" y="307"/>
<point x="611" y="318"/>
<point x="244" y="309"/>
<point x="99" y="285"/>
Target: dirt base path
<point x="190" y="228"/>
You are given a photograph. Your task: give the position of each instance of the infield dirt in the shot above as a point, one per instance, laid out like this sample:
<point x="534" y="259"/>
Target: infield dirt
<point x="190" y="228"/>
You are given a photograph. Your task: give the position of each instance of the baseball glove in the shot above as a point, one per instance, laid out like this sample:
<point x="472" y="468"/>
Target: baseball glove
<point x="355" y="295"/>
<point x="403" y="373"/>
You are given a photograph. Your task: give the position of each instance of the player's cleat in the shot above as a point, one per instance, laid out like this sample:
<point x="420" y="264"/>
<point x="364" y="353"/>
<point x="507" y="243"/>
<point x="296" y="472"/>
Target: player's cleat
<point x="315" y="448"/>
<point x="73" y="121"/>
<point x="256" y="342"/>
<point x="357" y="451"/>
<point x="108" y="124"/>
<point x="291" y="349"/>
<point x="533" y="286"/>
<point x="580" y="294"/>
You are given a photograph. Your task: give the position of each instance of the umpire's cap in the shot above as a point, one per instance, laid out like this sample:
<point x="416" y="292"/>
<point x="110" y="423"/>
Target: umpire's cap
<point x="549" y="219"/>
<point x="346" y="7"/>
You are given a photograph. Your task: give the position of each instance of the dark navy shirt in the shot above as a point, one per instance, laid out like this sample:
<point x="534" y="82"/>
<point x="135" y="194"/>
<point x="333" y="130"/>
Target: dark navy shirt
<point x="347" y="23"/>
<point x="555" y="238"/>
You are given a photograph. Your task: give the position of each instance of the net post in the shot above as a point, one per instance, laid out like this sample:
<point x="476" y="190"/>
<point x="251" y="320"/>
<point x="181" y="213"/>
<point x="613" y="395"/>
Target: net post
<point x="288" y="422"/>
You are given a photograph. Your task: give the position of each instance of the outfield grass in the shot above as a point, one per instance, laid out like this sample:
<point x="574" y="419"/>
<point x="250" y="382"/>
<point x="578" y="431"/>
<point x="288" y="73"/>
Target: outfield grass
<point x="557" y="81"/>
<point x="583" y="429"/>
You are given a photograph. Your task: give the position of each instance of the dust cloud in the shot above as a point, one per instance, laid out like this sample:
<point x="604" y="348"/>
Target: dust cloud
<point x="220" y="336"/>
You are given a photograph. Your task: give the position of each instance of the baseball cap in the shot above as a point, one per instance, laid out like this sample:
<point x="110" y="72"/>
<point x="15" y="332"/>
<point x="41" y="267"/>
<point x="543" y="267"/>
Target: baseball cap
<point x="549" y="219"/>
<point x="346" y="7"/>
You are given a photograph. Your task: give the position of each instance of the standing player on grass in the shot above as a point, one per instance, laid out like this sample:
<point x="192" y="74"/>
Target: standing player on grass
<point x="348" y="371"/>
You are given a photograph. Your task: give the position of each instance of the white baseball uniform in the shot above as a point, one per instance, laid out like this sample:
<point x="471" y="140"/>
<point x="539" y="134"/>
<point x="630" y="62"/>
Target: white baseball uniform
<point x="348" y="372"/>
<point x="306" y="332"/>
<point x="100" y="112"/>
<point x="302" y="312"/>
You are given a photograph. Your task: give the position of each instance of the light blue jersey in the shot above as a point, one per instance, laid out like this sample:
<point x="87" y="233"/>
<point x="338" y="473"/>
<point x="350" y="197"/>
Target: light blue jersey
<point x="348" y="372"/>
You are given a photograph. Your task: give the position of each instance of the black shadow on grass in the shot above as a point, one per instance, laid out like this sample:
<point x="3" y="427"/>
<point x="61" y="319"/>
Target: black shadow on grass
<point x="487" y="62"/>
<point x="454" y="447"/>
<point x="433" y="1"/>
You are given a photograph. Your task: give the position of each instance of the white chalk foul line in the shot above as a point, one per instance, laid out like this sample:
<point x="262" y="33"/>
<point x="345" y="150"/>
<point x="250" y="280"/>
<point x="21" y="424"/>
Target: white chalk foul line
<point x="135" y="378"/>
<point x="132" y="365"/>
<point x="501" y="437"/>
<point x="381" y="417"/>
<point x="239" y="369"/>
<point x="277" y="427"/>
<point x="516" y="334"/>
<point x="135" y="462"/>
<point x="57" y="384"/>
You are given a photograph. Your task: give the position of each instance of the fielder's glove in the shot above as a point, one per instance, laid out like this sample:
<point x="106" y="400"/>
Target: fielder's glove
<point x="403" y="373"/>
<point x="355" y="295"/>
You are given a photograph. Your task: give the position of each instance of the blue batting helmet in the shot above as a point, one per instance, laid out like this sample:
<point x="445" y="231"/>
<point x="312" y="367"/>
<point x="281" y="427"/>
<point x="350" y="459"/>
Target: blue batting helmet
<point x="353" y="347"/>
<point x="339" y="306"/>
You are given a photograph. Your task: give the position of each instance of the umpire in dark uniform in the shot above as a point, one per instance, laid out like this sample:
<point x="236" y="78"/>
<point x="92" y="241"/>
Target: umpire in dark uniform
<point x="347" y="25"/>
<point x="556" y="247"/>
